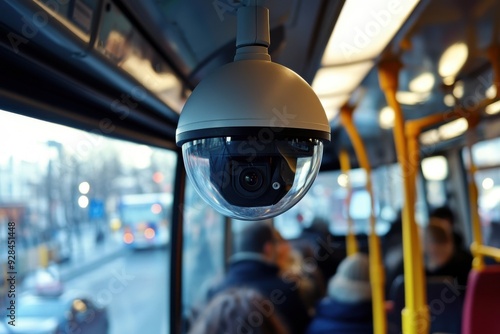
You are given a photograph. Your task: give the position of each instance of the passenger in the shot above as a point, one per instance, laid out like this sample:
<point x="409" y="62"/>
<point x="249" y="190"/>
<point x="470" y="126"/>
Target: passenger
<point x="318" y="236"/>
<point x="441" y="259"/>
<point x="303" y="269"/>
<point x="348" y="307"/>
<point x="259" y="250"/>
<point x="238" y="311"/>
<point x="444" y="217"/>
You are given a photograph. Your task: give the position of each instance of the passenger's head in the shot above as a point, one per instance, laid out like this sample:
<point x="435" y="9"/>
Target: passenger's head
<point x="320" y="225"/>
<point x="262" y="238"/>
<point x="236" y="311"/>
<point x="439" y="246"/>
<point x="351" y="283"/>
<point x="444" y="217"/>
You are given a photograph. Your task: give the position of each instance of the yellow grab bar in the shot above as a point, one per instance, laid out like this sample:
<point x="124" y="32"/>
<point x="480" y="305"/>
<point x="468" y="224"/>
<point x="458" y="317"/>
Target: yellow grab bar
<point x="377" y="274"/>
<point x="486" y="251"/>
<point x="351" y="241"/>
<point x="415" y="315"/>
<point x="478" y="262"/>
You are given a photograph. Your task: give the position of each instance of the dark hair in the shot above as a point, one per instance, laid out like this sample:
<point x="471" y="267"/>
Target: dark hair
<point x="437" y="235"/>
<point x="236" y="311"/>
<point x="253" y="237"/>
<point x="320" y="225"/>
<point x="444" y="212"/>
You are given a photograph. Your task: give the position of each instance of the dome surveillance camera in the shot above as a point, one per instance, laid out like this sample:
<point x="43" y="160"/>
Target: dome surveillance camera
<point x="252" y="133"/>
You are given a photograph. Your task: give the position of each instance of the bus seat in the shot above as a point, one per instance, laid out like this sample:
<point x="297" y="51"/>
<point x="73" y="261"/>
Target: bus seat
<point x="445" y="302"/>
<point x="481" y="309"/>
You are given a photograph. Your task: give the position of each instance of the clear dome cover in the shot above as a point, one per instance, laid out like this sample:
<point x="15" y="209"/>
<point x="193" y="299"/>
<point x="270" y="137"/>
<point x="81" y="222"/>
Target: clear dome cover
<point x="251" y="179"/>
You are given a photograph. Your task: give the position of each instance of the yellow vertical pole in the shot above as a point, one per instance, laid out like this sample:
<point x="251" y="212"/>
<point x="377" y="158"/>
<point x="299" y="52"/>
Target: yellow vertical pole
<point x="377" y="275"/>
<point x="415" y="315"/>
<point x="351" y="241"/>
<point x="478" y="262"/>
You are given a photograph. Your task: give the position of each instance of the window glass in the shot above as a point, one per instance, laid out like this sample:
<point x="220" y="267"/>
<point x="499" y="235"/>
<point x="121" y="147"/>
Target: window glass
<point x="327" y="199"/>
<point x="486" y="157"/>
<point x="435" y="171"/>
<point x="203" y="251"/>
<point x="485" y="153"/>
<point x="83" y="206"/>
<point x="488" y="184"/>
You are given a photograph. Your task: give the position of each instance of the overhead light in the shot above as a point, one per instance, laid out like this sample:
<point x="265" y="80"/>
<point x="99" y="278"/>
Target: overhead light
<point x="452" y="60"/>
<point x="491" y="92"/>
<point x="340" y="79"/>
<point x="363" y="34"/>
<point x="458" y="89"/>
<point x="449" y="100"/>
<point x="493" y="108"/>
<point x="386" y="118"/>
<point x="435" y="168"/>
<point x="448" y="81"/>
<point x="411" y="98"/>
<point x="332" y="104"/>
<point x="423" y="83"/>
<point x="444" y="132"/>
<point x="453" y="129"/>
<point x="430" y="137"/>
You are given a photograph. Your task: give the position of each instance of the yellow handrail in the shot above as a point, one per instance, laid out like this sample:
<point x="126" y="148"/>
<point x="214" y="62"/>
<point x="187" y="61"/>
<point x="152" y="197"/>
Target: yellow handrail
<point x="486" y="251"/>
<point x="415" y="315"/>
<point x="478" y="262"/>
<point x="351" y="241"/>
<point x="377" y="275"/>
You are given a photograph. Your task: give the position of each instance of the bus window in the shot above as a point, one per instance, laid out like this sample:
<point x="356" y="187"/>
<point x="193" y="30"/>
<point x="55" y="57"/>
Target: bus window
<point x="327" y="197"/>
<point x="203" y="251"/>
<point x="435" y="171"/>
<point x="487" y="160"/>
<point x="77" y="200"/>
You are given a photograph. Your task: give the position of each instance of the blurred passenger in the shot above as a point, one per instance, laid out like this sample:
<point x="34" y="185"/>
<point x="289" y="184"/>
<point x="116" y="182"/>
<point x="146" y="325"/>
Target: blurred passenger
<point x="348" y="308"/>
<point x="238" y="311"/>
<point x="444" y="217"/>
<point x="303" y="270"/>
<point x="259" y="253"/>
<point x="318" y="236"/>
<point x="441" y="259"/>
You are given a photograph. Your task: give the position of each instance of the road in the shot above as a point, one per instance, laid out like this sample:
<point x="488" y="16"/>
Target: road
<point x="134" y="289"/>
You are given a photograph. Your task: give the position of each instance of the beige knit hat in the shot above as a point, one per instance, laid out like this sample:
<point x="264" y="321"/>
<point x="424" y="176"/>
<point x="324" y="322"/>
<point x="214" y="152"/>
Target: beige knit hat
<point x="351" y="283"/>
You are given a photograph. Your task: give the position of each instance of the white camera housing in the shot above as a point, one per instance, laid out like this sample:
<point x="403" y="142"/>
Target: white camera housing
<point x="252" y="133"/>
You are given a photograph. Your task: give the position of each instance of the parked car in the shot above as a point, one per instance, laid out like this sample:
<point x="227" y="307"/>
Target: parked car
<point x="44" y="282"/>
<point x="70" y="312"/>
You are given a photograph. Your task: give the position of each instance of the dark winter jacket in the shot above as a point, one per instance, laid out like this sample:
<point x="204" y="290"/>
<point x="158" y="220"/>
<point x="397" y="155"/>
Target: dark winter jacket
<point x="264" y="277"/>
<point x="334" y="316"/>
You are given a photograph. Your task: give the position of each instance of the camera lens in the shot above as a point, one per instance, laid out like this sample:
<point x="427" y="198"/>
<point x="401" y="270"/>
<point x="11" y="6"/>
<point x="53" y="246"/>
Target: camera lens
<point x="251" y="179"/>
